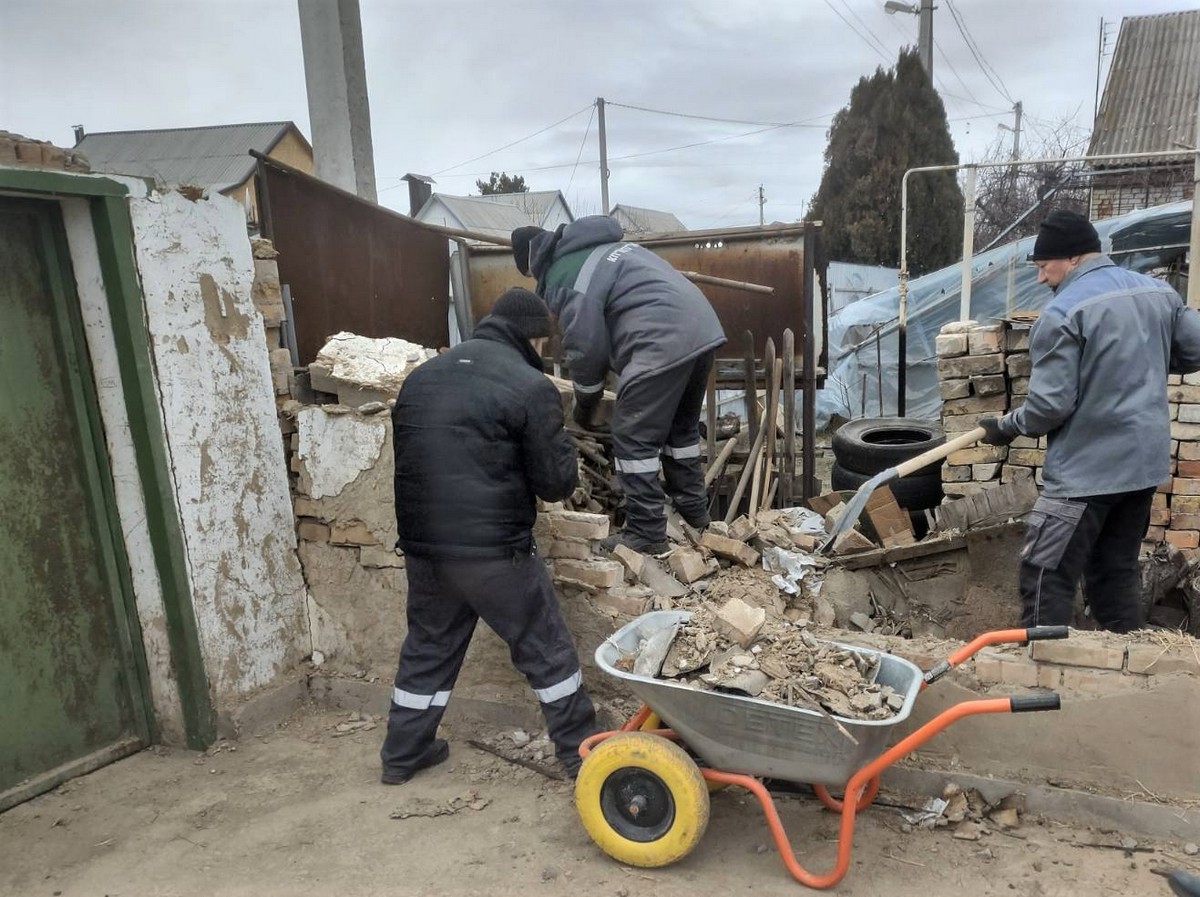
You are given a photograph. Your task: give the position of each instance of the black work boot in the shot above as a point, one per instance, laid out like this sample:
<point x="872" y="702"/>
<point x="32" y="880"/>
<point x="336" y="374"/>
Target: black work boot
<point x="437" y="753"/>
<point x="629" y="540"/>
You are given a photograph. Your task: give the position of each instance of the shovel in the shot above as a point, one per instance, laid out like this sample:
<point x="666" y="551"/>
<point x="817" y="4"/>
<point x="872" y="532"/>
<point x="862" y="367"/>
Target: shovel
<point x="855" y="506"/>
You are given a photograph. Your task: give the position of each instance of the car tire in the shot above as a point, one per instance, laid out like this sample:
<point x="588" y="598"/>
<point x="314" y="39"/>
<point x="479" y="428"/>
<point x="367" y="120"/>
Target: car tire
<point x="914" y="492"/>
<point x="873" y="444"/>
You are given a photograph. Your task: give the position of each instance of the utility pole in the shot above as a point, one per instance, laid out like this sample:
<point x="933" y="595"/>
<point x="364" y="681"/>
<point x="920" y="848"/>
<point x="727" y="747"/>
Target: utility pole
<point x="762" y="201"/>
<point x="925" y="37"/>
<point x="1017" y="109"/>
<point x="603" y="158"/>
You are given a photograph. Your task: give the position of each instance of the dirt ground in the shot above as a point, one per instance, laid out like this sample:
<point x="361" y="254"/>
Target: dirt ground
<point x="301" y="812"/>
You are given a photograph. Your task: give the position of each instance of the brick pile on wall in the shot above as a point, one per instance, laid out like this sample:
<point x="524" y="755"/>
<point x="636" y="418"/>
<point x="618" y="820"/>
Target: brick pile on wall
<point x="983" y="370"/>
<point x="18" y="150"/>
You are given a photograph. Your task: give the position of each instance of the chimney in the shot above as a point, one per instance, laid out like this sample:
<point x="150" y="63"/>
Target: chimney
<point x="79" y="134"/>
<point x="420" y="188"/>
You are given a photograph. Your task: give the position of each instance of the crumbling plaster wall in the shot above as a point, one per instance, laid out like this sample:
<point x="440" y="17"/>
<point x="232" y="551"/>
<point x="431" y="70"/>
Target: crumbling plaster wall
<point x="356" y="581"/>
<point x="223" y="440"/>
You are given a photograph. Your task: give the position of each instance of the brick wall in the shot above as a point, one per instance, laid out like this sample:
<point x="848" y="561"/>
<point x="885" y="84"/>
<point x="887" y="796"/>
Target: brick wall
<point x="18" y="150"/>
<point x="983" y="370"/>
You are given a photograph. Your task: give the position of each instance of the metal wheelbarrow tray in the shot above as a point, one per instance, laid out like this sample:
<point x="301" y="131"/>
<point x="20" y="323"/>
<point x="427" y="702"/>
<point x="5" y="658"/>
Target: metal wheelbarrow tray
<point x="756" y="737"/>
<point x="644" y="799"/>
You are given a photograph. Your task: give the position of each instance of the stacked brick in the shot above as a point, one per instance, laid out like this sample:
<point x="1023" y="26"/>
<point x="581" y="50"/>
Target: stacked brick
<point x="1175" y="515"/>
<point x="18" y="150"/>
<point x="983" y="370"/>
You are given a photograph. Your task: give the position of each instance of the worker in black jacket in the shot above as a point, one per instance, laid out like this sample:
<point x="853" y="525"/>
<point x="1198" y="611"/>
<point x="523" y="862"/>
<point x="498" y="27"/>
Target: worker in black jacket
<point x="478" y="435"/>
<point x="623" y="309"/>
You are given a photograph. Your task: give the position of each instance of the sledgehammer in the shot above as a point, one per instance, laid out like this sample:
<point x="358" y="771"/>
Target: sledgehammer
<point x="854" y="507"/>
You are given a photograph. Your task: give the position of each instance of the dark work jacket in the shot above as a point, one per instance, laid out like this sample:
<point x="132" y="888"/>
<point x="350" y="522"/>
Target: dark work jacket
<point x="478" y="434"/>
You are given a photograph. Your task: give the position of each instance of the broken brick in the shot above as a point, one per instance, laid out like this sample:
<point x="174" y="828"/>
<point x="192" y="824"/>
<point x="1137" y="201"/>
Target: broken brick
<point x="597" y="573"/>
<point x="734" y="549"/>
<point x="687" y="565"/>
<point x="579" y="524"/>
<point x="739" y="622"/>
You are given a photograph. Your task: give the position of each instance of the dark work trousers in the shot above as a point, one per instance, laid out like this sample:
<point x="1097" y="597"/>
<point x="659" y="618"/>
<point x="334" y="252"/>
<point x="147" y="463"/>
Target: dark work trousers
<point x="660" y="415"/>
<point x="515" y="597"/>
<point x="1098" y="538"/>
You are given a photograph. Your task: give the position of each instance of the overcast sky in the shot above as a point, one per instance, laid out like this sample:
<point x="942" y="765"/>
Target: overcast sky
<point x="453" y="80"/>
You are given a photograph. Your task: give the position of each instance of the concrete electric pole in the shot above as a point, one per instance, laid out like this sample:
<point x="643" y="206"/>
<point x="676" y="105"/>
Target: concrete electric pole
<point x="1016" y="130"/>
<point x="336" y="78"/>
<point x="762" y="201"/>
<point x="924" y="9"/>
<point x="603" y="157"/>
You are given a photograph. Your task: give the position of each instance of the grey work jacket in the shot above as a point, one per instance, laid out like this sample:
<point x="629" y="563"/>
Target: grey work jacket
<point x="1101" y="352"/>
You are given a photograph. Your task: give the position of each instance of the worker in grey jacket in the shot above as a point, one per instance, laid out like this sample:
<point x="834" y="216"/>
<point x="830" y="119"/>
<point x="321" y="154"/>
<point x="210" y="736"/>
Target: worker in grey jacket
<point x="1101" y="353"/>
<point x="623" y="309"/>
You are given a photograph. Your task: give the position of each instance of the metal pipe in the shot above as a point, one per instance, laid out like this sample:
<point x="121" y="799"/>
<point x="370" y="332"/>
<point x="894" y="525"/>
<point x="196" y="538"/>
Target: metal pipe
<point x="748" y="287"/>
<point x="964" y="304"/>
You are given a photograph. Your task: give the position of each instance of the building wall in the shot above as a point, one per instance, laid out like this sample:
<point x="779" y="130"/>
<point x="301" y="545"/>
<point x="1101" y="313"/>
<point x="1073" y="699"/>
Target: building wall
<point x="1118" y="194"/>
<point x="223" y="440"/>
<point x="290" y="150"/>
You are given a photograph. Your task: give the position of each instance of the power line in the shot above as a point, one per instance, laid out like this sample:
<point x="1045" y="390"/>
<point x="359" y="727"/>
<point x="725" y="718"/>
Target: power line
<point x="984" y="65"/>
<point x="515" y="142"/>
<point x="874" y="36"/>
<point x="731" y="121"/>
<point x="582" y="144"/>
<point x="950" y="65"/>
<point x="850" y="25"/>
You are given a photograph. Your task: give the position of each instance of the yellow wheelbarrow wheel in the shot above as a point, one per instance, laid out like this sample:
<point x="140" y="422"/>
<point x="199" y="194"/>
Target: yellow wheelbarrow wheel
<point x="642" y="799"/>
<point x="654" y="721"/>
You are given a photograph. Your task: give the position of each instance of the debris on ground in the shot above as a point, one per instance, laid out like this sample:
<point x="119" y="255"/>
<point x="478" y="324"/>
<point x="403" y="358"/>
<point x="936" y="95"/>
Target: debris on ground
<point x="358" y="722"/>
<point x="426" y="808"/>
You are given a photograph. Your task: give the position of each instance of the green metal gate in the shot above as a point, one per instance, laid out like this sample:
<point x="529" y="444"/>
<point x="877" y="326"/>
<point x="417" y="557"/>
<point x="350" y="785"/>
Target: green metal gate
<point x="72" y="675"/>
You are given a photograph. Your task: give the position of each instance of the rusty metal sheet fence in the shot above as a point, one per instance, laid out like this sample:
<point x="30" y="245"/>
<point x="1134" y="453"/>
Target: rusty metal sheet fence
<point x="352" y="265"/>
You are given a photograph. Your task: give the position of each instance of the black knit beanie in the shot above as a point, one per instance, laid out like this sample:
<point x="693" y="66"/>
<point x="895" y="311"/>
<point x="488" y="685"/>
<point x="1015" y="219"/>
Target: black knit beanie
<point x="526" y="310"/>
<point x="521" y="238"/>
<point x="1064" y="235"/>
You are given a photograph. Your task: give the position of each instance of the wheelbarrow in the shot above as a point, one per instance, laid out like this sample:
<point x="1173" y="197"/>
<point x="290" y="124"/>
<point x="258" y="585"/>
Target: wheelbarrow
<point x="643" y="796"/>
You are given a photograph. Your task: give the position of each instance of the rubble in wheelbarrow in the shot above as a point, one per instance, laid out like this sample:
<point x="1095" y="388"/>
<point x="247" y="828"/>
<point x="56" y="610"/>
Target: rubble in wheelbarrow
<point x="778" y="661"/>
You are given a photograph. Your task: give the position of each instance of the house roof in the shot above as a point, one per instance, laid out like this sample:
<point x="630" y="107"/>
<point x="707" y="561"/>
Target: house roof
<point x="499" y="213"/>
<point x="1153" y="86"/>
<point x="637" y="221"/>
<point x="217" y="156"/>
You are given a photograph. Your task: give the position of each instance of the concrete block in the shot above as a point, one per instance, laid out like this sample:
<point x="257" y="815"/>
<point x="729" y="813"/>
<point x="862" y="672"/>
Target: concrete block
<point x="1186" y="394"/>
<point x="986" y="339"/>
<point x="687" y="565"/>
<point x="980" y="454"/>
<point x="1018" y="365"/>
<point x="1187" y="379"/>
<point x="597" y="573"/>
<point x="629" y="601"/>
<point x="975" y="405"/>
<point x="1174" y="379"/>
<point x="983" y="472"/>
<point x="579" y="525"/>
<point x="739" y="622"/>
<point x="1017" y="339"/>
<point x="1189" y="414"/>
<point x="1101" y="652"/>
<point x="734" y="549"/>
<point x="970" y="366"/>
<point x="1185" y="432"/>
<point x="1099" y="683"/>
<point x="312" y="531"/>
<point x="958" y="326"/>
<point x="1027" y="457"/>
<point x="989" y="385"/>
<point x="572" y="549"/>
<point x="1159" y="660"/>
<point x="955" y="389"/>
<point x="956" y="473"/>
<point x="950" y="345"/>
<point x="355" y="532"/>
<point x="632" y="561"/>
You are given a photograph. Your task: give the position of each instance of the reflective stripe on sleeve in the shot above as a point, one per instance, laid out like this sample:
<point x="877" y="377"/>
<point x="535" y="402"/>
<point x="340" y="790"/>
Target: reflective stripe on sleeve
<point x="560" y="690"/>
<point x="590" y="389"/>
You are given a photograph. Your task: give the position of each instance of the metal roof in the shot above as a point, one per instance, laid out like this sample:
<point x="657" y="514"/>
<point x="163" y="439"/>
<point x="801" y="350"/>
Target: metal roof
<point x="1153" y="87"/>
<point x="499" y="213"/>
<point x="637" y="221"/>
<point x="216" y="156"/>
